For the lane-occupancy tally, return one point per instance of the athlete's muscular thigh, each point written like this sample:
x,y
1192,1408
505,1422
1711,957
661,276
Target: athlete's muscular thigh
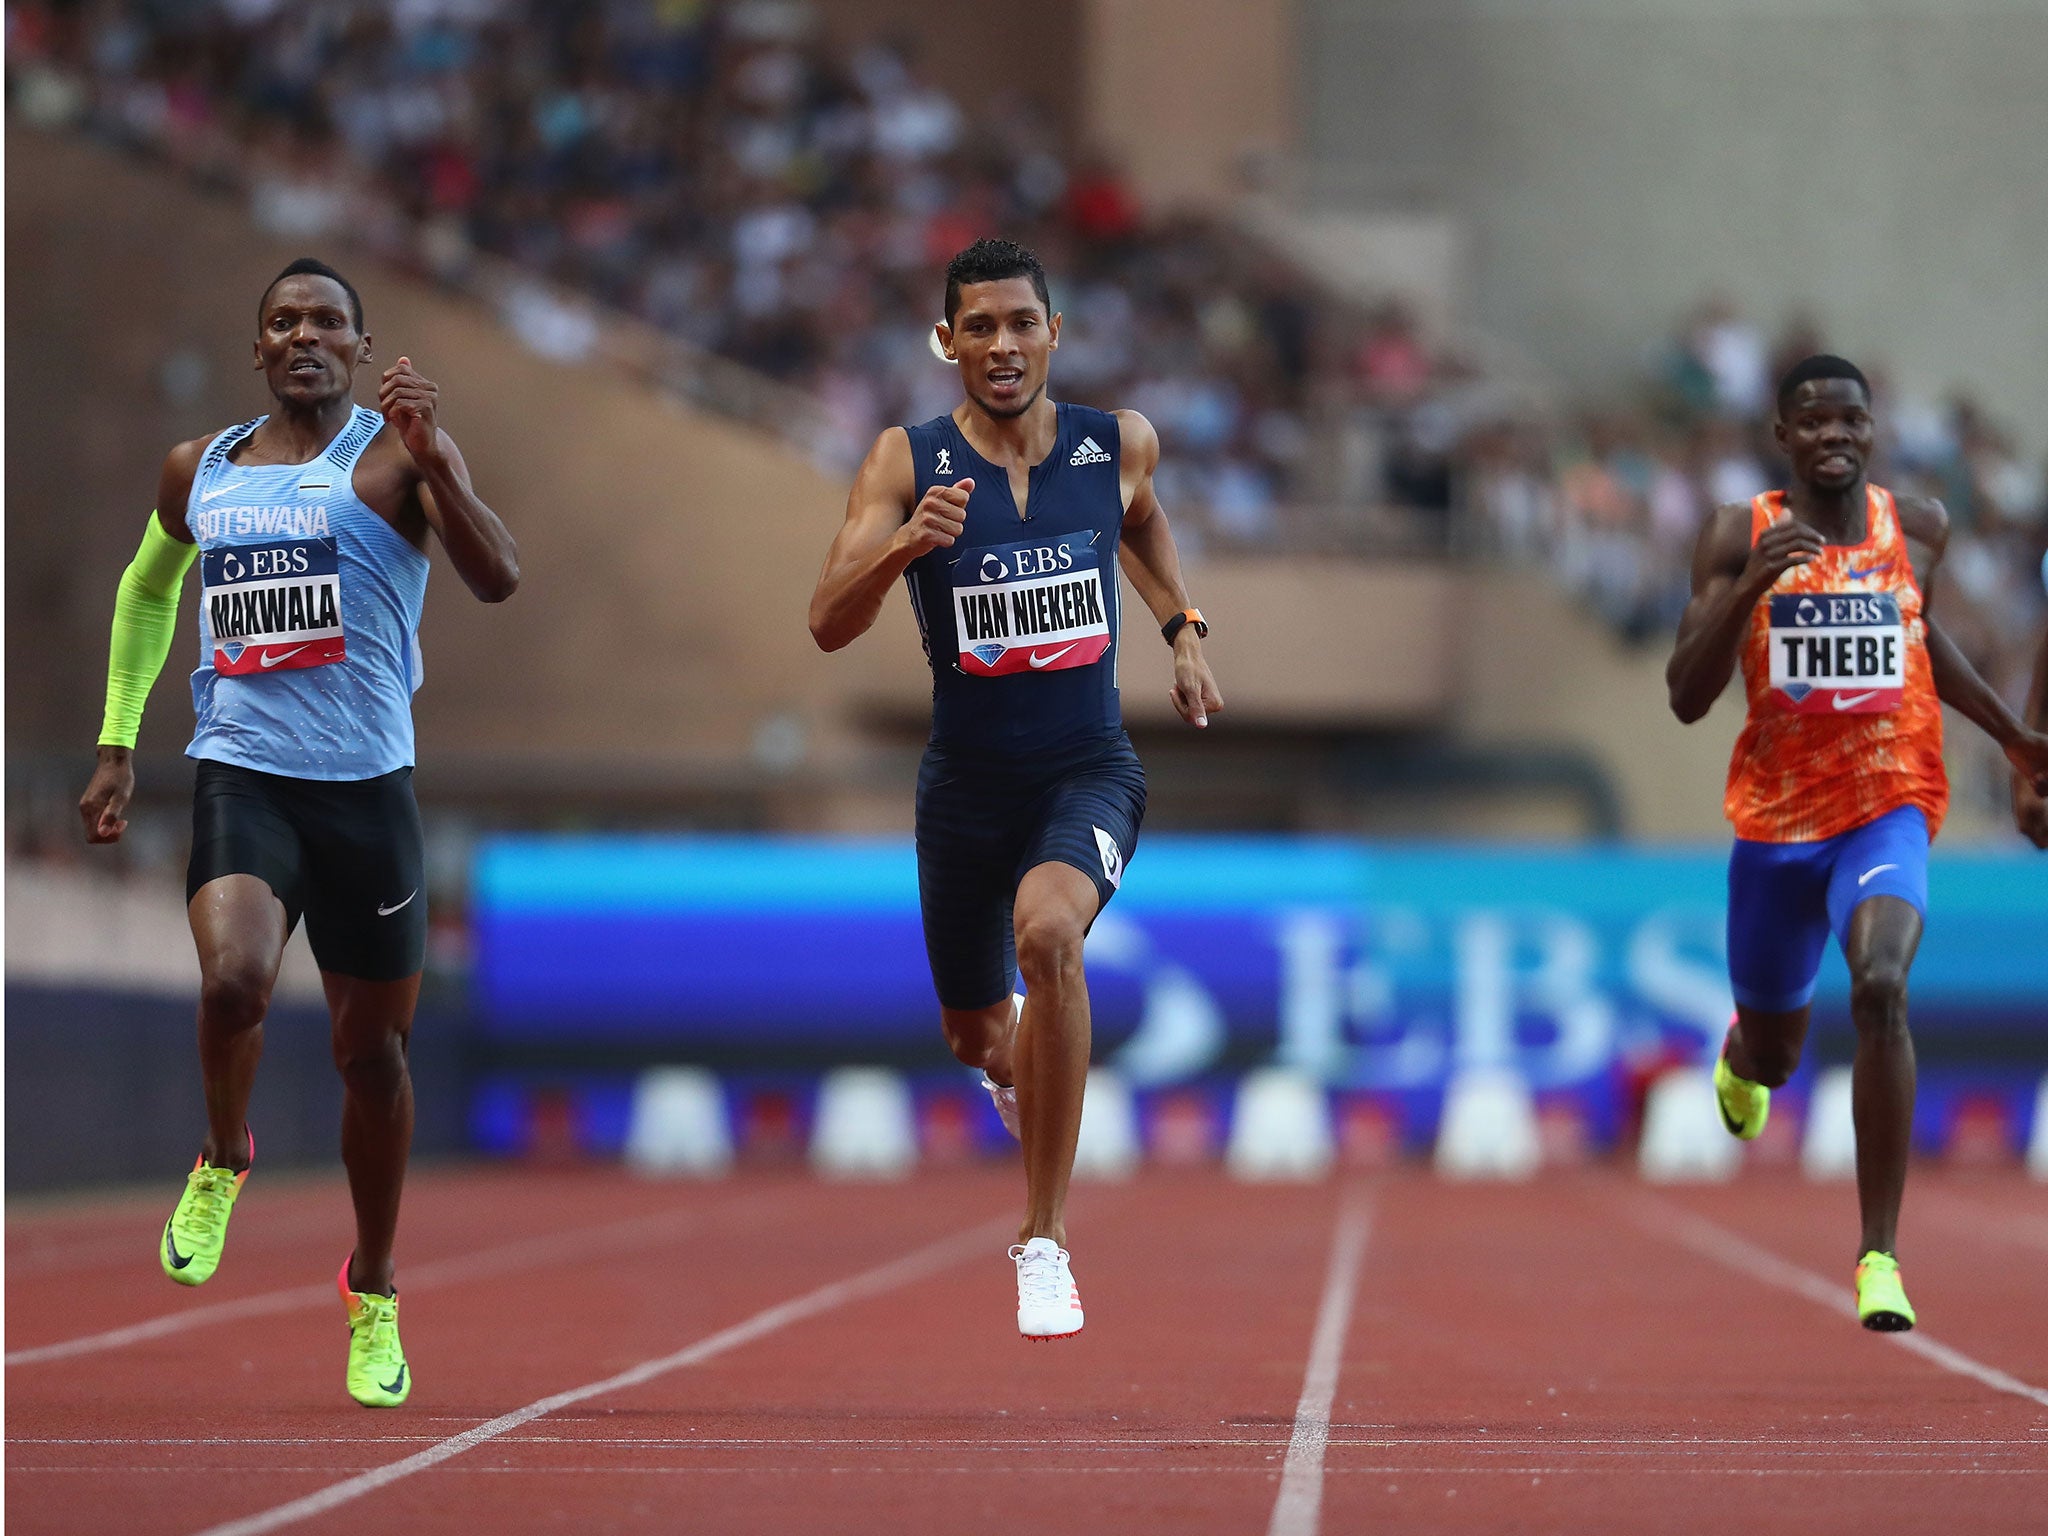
x,y
239,927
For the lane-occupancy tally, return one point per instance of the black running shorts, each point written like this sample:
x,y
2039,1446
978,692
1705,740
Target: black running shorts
x,y
982,825
347,855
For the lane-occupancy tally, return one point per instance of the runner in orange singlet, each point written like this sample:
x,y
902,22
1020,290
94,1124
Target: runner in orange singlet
x,y
1822,595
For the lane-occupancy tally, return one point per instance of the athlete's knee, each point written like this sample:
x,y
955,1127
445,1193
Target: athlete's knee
x,y
1049,949
973,1037
1775,1061
371,1065
234,993
1877,995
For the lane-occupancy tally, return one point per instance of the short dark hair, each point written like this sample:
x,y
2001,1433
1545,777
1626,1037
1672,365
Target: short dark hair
x,y
991,261
1822,365
313,266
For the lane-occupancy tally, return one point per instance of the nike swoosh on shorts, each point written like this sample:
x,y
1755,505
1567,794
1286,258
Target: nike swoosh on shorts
x,y
1869,874
386,912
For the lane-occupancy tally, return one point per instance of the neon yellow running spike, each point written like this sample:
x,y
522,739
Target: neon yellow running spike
x,y
1745,1106
378,1376
192,1239
1881,1302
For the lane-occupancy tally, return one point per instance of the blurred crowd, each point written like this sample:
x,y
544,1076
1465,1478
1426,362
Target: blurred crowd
x,y
1613,503
726,173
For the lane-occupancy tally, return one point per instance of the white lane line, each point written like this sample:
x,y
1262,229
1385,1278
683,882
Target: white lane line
x,y
1579,1445
928,1260
1299,1508
450,1271
1711,1240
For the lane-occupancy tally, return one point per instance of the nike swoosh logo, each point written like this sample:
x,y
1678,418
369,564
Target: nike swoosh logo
x,y
1851,700
1045,661
178,1260
1870,874
219,490
395,1385
1875,570
269,660
387,911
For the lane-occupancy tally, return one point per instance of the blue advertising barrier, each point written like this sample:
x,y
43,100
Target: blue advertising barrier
x,y
1378,967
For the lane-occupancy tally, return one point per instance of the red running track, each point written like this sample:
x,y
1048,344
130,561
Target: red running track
x,y
769,1353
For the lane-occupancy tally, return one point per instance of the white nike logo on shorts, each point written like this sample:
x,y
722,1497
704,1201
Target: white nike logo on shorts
x,y
1867,875
1045,661
387,911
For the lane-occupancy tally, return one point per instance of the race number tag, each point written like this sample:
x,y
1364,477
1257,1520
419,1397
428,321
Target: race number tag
x,y
1030,607
1841,653
273,607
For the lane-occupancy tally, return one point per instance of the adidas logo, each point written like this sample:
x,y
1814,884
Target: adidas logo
x,y
1090,452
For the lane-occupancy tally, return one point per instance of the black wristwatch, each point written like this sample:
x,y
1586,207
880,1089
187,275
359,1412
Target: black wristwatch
x,y
1173,626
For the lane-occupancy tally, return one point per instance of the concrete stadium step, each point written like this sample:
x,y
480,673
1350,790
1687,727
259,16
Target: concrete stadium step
x,y
1683,1138
1488,1129
1109,1146
865,1126
1829,1150
1280,1127
679,1124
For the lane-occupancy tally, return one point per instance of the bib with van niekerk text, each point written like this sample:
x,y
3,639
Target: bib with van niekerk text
x,y
1838,652
273,607
1034,607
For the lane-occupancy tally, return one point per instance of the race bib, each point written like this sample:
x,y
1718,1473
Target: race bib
x,y
1030,607
273,607
1838,653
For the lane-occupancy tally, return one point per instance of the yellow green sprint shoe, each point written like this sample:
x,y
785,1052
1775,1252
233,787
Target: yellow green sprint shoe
x,y
378,1376
198,1228
1881,1303
1745,1106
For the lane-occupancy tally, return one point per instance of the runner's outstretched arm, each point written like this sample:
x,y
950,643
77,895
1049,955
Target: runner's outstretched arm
x,y
1956,682
1152,561
479,545
1729,575
877,542
2030,805
145,619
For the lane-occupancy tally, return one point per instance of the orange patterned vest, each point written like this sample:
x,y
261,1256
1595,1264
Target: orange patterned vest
x,y
1844,724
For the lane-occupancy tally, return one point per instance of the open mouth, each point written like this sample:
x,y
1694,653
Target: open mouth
x,y
301,365
1005,378
1836,464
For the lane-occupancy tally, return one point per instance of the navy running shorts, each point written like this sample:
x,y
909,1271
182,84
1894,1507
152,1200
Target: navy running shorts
x,y
347,855
1785,898
982,824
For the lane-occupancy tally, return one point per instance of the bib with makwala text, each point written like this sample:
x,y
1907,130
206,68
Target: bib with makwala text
x,y
1031,607
1837,652
273,607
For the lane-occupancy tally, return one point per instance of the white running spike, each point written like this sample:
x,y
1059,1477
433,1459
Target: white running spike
x,y
2037,1139
679,1123
1829,1149
866,1126
1280,1127
1108,1147
1684,1140
1488,1130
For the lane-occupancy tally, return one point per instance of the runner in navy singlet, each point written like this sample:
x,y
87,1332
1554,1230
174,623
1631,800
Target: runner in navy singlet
x,y
1007,521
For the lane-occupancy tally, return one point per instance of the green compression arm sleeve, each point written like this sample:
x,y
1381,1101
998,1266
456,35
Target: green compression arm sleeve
x,y
145,618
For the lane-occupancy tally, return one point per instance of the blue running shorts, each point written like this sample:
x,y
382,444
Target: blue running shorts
x,y
983,824
1783,898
